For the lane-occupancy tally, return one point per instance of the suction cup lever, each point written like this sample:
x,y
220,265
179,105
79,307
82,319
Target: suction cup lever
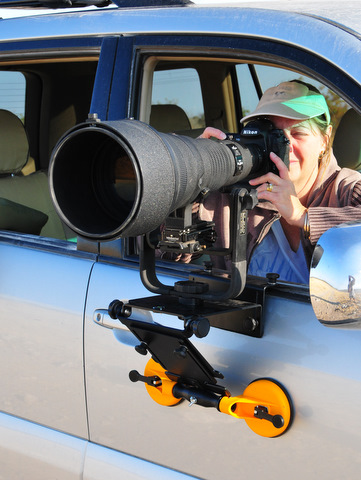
x,y
262,413
153,381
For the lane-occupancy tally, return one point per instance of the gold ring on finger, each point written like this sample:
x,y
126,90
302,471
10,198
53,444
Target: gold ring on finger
x,y
269,187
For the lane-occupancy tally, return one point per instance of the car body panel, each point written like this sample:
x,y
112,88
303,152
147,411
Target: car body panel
x,y
43,336
102,462
29,450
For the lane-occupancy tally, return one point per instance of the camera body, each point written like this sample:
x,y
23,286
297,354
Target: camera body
x,y
258,139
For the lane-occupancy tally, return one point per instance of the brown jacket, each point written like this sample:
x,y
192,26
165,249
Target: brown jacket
x,y
334,198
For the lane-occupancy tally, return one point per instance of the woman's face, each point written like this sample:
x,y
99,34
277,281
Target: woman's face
x,y
306,144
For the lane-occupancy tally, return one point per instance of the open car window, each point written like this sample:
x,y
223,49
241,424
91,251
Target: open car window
x,y
34,116
188,98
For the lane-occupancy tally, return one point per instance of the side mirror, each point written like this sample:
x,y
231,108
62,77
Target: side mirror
x,y
335,277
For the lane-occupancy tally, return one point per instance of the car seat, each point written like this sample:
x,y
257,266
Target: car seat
x,y
347,141
25,202
169,118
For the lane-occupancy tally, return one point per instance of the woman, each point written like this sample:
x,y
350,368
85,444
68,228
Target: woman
x,y
305,200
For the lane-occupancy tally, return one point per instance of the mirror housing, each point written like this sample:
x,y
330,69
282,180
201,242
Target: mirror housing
x,y
335,277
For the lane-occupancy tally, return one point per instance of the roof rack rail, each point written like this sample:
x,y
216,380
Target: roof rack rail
x,y
91,3
151,3
53,3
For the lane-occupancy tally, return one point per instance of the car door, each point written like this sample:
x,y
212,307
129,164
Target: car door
x,y
316,366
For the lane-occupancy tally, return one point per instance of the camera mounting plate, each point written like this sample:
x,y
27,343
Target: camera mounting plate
x,y
231,315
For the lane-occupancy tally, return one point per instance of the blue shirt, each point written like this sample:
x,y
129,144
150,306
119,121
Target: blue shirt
x,y
275,255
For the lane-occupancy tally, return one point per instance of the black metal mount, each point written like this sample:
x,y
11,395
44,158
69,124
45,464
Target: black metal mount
x,y
242,200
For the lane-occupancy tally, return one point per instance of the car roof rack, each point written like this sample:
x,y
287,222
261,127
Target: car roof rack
x,y
151,3
53,4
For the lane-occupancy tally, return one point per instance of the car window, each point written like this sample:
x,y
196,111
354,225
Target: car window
x,y
180,87
214,93
31,94
12,93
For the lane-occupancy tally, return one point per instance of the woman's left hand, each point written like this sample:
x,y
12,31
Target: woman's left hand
x,y
210,132
281,193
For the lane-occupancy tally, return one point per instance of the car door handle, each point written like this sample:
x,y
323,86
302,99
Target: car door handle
x,y
121,333
101,317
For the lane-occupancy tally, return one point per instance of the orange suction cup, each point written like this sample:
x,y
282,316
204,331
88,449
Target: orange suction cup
x,y
264,405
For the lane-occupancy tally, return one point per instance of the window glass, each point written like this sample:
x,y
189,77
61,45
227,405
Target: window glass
x,y
272,76
181,87
12,93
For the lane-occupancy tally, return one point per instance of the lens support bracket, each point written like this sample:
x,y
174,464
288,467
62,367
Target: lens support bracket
x,y
242,200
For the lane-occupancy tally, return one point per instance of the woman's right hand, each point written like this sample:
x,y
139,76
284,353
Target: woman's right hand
x,y
282,193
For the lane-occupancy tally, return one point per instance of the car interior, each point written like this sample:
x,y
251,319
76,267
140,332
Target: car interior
x,y
57,96
180,95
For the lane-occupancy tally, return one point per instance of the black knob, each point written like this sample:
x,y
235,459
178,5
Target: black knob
x,y
272,278
115,309
200,326
278,421
142,348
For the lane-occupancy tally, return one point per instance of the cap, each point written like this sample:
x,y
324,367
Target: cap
x,y
291,100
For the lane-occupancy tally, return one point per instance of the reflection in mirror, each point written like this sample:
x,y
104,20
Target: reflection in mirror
x,y
335,277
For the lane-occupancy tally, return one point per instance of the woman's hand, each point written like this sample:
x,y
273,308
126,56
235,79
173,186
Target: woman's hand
x,y
210,132
281,193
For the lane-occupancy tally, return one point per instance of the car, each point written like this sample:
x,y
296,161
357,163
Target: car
x,y
117,362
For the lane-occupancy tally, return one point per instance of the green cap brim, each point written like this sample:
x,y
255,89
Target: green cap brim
x,y
310,105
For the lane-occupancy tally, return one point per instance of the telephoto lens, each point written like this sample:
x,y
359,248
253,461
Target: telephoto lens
x,y
123,178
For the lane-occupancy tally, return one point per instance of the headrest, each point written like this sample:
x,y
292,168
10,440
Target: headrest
x,y
14,145
169,118
347,142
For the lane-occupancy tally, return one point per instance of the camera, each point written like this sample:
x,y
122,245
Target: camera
x,y
118,179
261,138
123,178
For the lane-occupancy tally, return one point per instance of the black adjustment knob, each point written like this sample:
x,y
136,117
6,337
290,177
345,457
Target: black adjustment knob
x,y
117,310
190,287
142,348
272,278
200,326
